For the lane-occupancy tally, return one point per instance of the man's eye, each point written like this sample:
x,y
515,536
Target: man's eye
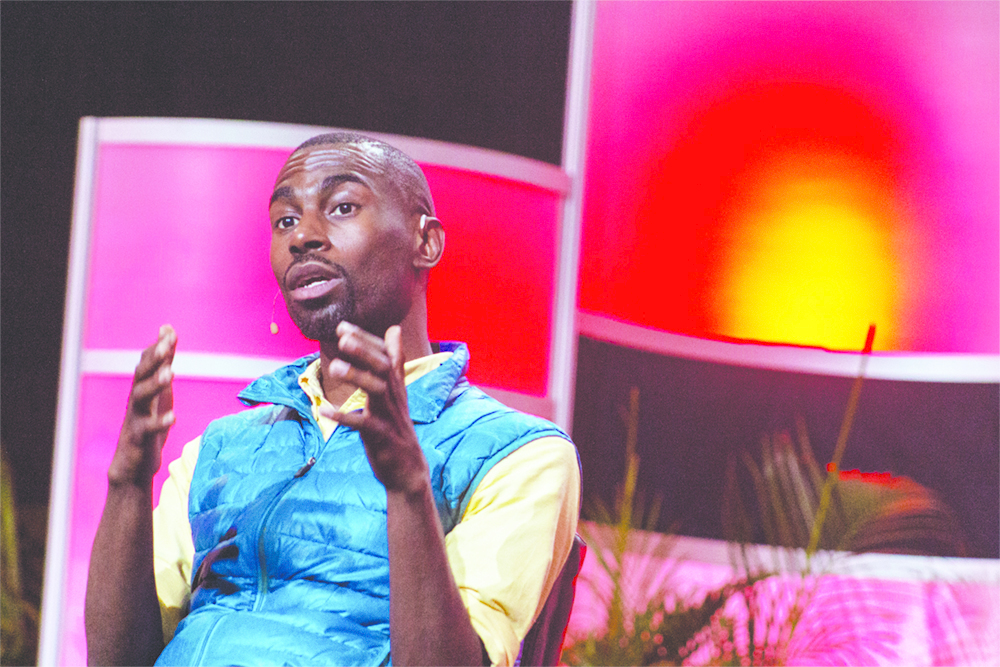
x,y
284,223
344,209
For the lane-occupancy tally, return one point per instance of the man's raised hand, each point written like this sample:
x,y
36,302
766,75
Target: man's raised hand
x,y
376,366
149,414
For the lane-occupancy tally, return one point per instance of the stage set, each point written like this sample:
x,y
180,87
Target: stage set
x,y
745,187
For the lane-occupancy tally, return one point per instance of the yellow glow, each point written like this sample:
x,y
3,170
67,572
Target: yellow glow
x,y
810,258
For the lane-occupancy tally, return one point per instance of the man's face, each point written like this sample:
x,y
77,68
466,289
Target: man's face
x,y
341,244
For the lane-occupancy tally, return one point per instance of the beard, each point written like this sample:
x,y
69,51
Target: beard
x,y
320,321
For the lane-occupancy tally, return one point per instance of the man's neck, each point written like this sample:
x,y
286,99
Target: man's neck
x,y
415,343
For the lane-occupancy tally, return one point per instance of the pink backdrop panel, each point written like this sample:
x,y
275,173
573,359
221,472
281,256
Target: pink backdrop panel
x,y
181,235
696,107
907,618
102,407
494,287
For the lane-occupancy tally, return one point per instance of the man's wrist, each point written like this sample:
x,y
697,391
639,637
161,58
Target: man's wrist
x,y
123,475
415,490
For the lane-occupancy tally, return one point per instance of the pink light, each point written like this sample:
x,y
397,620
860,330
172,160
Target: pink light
x,y
925,73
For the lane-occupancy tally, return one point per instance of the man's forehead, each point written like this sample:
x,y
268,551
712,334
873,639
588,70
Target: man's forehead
x,y
366,160
362,163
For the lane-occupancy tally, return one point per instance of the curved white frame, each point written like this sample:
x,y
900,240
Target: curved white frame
x,y
906,366
562,357
63,457
258,134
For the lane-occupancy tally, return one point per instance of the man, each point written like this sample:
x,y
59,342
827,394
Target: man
x,y
365,506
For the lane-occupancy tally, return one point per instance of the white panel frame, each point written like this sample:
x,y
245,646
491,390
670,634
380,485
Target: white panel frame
x,y
882,566
256,134
913,367
64,449
562,357
203,365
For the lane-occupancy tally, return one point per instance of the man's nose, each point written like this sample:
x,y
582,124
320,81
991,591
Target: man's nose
x,y
310,234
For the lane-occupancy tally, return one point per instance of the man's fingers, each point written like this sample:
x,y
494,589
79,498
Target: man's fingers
x,y
362,349
141,428
149,414
376,366
162,351
394,347
373,431
354,420
165,400
145,390
348,329
371,383
162,422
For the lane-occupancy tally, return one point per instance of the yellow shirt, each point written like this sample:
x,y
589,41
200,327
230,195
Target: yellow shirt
x,y
505,554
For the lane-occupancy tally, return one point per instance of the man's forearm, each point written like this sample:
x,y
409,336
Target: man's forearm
x,y
428,624
122,612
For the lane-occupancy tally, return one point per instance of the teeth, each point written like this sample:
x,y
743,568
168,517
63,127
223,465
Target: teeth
x,y
313,281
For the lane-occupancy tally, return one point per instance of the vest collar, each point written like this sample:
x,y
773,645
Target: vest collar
x,y
281,387
426,396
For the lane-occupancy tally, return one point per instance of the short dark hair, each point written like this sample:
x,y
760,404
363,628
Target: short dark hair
x,y
399,168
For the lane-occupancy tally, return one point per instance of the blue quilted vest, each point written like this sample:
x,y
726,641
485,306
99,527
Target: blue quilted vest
x,y
291,558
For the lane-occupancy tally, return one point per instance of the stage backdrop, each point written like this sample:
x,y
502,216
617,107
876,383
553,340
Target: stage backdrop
x,y
171,226
791,172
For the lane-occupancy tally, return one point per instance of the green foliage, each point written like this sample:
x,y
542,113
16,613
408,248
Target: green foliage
x,y
785,499
791,504
659,628
660,634
777,501
18,617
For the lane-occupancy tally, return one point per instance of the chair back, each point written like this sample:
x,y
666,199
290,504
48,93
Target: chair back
x,y
543,644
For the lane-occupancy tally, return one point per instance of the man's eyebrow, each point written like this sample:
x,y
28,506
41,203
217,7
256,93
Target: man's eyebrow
x,y
331,182
284,192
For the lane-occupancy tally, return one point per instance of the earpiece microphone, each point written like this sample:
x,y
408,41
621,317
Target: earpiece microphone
x,y
423,223
274,325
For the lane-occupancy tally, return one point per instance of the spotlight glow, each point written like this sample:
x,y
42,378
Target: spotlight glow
x,y
809,256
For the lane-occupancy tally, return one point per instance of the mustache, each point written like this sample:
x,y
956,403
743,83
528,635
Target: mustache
x,y
316,258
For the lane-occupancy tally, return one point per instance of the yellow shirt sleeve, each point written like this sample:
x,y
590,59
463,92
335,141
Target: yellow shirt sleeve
x,y
513,541
173,546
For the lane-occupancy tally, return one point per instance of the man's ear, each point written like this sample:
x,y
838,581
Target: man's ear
x,y
430,241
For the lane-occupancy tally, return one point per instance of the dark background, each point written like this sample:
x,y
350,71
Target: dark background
x,y
693,415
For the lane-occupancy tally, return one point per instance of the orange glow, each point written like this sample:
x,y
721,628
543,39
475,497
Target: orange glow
x,y
808,256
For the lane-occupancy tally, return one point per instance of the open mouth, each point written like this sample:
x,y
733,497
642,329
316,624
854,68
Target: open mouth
x,y
311,280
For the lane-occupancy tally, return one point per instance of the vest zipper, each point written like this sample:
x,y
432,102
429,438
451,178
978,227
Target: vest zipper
x,y
262,576
306,468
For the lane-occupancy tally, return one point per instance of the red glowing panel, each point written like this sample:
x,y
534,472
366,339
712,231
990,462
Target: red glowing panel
x,y
791,172
494,286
